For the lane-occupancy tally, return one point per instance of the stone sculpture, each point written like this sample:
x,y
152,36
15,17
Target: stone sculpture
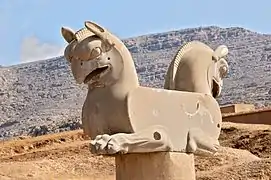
x,y
193,65
122,117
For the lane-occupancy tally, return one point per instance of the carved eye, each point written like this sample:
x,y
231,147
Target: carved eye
x,y
96,52
223,71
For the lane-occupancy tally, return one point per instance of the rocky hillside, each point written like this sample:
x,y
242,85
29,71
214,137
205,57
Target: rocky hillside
x,y
41,97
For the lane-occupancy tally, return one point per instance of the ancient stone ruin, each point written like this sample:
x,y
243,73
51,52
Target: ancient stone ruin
x,y
153,133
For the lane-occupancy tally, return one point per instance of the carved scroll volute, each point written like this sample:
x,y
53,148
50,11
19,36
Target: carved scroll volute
x,y
101,33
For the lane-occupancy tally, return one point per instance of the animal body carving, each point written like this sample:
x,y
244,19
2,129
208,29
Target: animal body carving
x,y
194,64
122,117
101,61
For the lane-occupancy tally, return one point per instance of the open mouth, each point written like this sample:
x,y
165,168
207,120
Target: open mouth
x,y
215,90
95,73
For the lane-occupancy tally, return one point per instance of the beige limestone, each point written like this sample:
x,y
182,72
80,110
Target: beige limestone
x,y
198,68
101,61
259,116
122,117
235,108
155,166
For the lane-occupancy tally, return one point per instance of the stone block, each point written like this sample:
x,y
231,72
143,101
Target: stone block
x,y
235,108
155,166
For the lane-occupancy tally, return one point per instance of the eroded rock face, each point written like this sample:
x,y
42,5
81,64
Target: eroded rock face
x,y
45,93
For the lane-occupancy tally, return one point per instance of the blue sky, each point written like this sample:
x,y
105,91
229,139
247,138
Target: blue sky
x,y
31,28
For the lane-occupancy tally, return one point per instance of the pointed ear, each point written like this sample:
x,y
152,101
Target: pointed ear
x,y
67,34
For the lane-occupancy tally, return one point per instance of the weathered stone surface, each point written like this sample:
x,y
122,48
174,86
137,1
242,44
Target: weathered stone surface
x,y
261,116
44,94
158,166
235,108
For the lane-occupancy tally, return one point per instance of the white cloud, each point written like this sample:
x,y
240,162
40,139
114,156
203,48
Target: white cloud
x,y
32,50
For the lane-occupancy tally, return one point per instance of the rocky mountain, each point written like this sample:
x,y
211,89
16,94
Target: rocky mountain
x,y
42,97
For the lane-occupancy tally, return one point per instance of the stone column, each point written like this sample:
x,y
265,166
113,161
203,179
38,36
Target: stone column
x,y
155,166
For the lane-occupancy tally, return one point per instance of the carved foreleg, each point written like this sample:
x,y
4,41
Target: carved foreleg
x,y
200,143
153,139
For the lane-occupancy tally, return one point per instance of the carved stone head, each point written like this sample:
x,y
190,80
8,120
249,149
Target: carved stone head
x,y
220,70
196,67
92,55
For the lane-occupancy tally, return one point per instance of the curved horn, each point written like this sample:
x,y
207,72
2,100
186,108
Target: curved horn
x,y
101,33
96,29
68,34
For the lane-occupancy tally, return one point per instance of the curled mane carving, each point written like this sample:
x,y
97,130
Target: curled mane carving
x,y
177,58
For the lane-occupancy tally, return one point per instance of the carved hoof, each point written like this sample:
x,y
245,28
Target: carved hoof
x,y
215,148
199,143
117,145
98,145
106,144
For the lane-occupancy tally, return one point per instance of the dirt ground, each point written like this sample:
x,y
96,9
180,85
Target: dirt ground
x,y
245,155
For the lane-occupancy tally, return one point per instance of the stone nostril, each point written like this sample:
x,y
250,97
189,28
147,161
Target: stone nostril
x,y
108,58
